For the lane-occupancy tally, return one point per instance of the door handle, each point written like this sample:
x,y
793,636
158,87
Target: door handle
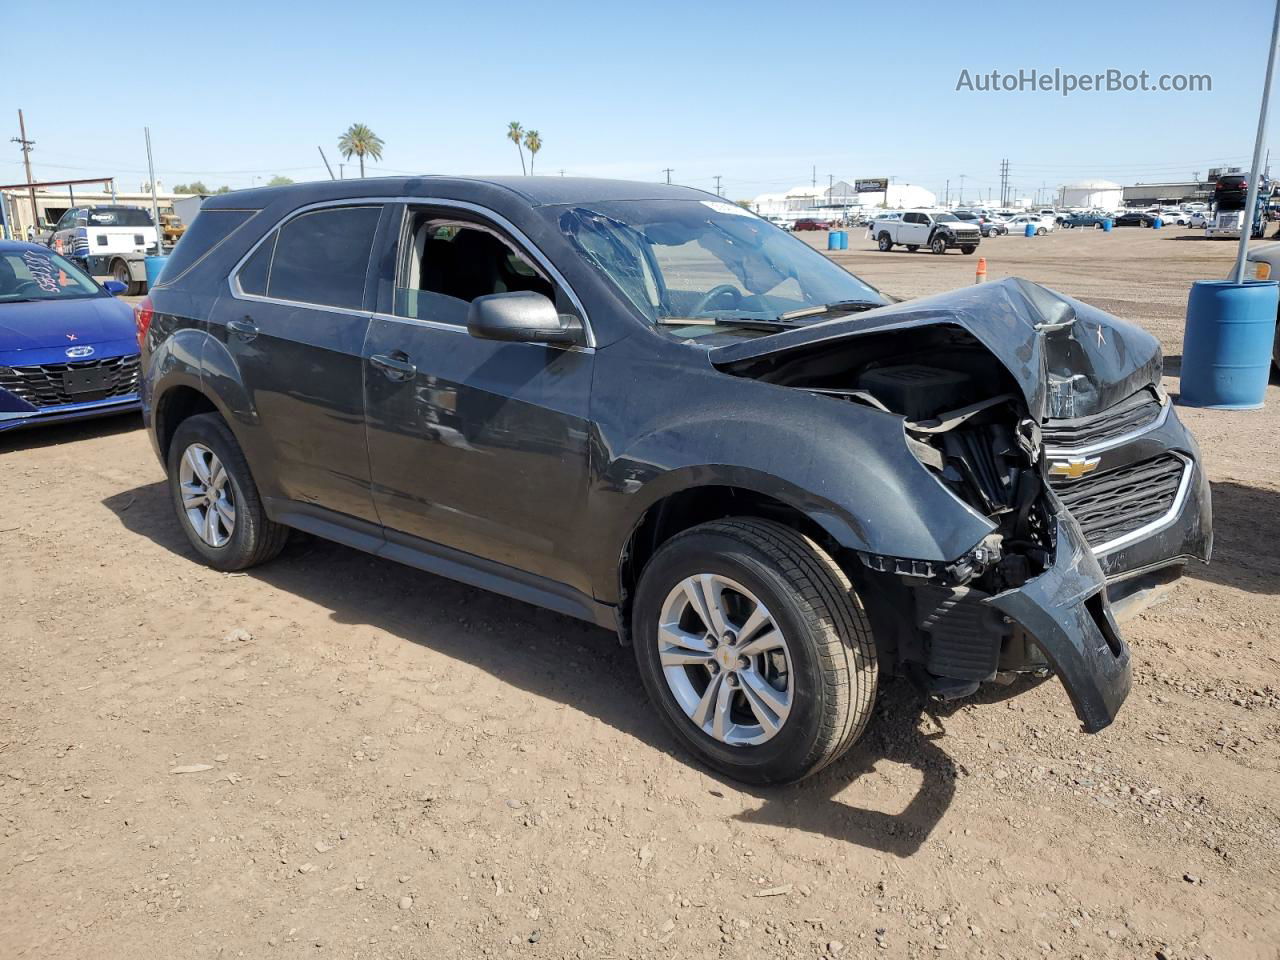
x,y
395,366
245,329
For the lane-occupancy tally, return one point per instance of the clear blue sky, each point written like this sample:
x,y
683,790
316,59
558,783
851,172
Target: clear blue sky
x,y
757,92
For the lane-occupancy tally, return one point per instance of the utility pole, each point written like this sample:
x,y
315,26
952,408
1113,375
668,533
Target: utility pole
x,y
25,145
961,201
155,205
717,178
667,171
326,161
342,170
815,176
947,201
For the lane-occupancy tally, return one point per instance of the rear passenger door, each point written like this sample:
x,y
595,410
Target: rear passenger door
x,y
914,231
294,328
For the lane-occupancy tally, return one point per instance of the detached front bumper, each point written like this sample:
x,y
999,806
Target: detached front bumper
x,y
1065,611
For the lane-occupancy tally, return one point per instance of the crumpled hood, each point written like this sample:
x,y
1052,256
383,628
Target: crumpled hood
x,y
46,323
1068,358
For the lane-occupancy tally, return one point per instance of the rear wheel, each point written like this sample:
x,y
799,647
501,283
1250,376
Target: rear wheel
x,y
1041,231
216,499
938,245
755,648
121,274
884,243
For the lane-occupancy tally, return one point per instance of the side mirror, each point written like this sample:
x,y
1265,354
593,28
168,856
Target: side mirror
x,y
522,316
114,287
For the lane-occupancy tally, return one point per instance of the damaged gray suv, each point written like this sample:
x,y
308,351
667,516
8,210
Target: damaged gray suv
x,y
648,408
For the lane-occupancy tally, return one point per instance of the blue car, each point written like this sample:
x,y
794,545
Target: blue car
x,y
68,347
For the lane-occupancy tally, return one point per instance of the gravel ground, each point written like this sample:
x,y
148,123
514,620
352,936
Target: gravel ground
x,y
336,756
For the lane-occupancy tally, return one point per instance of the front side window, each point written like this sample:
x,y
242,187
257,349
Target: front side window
x,y
322,257
705,261
446,262
42,275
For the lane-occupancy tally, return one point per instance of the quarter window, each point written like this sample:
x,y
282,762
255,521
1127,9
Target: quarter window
x,y
253,275
322,257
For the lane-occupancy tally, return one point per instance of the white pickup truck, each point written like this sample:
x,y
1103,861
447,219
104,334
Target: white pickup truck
x,y
938,230
108,240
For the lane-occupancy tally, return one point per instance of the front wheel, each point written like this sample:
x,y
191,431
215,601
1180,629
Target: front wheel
x,y
216,499
938,245
755,648
884,243
968,248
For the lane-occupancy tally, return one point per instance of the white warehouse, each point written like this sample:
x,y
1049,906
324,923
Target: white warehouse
x,y
1091,194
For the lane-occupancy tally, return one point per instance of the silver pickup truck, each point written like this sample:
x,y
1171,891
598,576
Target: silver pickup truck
x,y
937,230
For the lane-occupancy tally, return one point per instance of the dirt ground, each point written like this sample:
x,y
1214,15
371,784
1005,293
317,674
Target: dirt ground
x,y
336,756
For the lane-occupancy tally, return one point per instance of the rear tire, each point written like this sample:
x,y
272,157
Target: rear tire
x,y
252,538
121,274
811,613
1041,231
884,243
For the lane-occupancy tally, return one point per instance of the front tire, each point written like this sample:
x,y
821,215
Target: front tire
x,y
884,243
756,649
968,248
938,245
216,499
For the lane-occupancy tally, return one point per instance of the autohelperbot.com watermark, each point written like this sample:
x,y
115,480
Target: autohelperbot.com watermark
x,y
1065,82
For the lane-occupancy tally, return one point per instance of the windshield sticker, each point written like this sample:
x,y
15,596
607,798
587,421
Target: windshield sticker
x,y
719,206
42,271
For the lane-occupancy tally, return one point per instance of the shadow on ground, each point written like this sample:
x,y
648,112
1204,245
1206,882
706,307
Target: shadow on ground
x,y
52,434
1246,525
542,652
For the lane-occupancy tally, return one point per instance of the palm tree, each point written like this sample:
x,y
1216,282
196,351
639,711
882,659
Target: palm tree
x,y
515,133
362,142
534,143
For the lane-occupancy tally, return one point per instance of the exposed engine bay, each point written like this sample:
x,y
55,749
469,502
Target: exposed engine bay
x,y
966,420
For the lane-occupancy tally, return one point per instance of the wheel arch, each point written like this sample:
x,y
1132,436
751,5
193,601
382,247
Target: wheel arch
x,y
689,506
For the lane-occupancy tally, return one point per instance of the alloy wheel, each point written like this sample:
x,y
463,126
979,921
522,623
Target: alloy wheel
x,y
207,497
725,660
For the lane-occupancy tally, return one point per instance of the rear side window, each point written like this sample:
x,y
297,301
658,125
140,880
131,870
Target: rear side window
x,y
322,257
209,229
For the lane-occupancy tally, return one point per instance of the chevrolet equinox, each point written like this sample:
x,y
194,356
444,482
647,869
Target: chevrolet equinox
x,y
651,409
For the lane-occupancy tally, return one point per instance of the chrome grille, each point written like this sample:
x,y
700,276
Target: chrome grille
x,y
1138,411
44,385
1109,505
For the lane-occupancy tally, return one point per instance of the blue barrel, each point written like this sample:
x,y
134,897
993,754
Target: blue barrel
x,y
1030,231
833,240
1157,223
844,240
1226,347
154,266
1107,225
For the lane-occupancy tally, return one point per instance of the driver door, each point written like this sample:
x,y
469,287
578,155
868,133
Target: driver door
x,y
477,445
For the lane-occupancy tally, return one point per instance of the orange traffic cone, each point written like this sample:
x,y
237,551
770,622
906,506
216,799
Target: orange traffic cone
x,y
981,275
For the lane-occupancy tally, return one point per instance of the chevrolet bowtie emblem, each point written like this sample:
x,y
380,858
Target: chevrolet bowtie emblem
x,y
1074,468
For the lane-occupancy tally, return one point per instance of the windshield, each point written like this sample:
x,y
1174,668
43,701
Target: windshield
x,y
119,217
705,260
944,218
41,275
